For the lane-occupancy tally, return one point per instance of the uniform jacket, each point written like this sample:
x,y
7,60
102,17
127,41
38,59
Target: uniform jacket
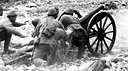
x,y
70,21
42,37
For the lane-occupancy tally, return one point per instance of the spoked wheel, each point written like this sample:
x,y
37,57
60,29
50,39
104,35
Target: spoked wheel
x,y
101,33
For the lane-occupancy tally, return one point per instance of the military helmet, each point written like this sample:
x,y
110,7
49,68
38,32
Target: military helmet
x,y
57,9
52,11
69,11
12,13
35,22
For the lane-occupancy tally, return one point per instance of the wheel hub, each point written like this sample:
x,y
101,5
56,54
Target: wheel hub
x,y
101,34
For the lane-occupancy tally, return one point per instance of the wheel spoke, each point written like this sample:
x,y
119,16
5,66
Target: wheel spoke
x,y
106,44
105,21
97,26
93,35
101,23
97,46
108,25
94,42
101,47
109,32
94,29
109,38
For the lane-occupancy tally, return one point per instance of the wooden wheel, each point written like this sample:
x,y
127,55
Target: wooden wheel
x,y
101,33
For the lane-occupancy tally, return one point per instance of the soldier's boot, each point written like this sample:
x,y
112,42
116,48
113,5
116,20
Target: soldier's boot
x,y
39,62
81,50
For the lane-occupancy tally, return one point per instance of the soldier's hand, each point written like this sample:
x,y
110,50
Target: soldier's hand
x,y
69,31
26,22
24,36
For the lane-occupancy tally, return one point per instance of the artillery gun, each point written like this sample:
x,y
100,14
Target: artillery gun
x,y
101,31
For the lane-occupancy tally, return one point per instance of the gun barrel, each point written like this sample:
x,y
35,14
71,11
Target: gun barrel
x,y
84,20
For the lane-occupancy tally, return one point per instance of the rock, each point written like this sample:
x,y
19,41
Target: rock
x,y
97,66
115,51
125,55
22,68
107,58
112,69
112,5
106,69
118,69
113,64
121,65
32,67
3,69
116,60
2,64
84,66
9,68
30,4
73,68
108,65
124,3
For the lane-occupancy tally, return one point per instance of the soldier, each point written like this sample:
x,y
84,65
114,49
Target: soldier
x,y
49,31
36,22
8,26
75,31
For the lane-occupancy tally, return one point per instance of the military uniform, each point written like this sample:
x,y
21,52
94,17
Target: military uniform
x,y
77,37
7,28
45,48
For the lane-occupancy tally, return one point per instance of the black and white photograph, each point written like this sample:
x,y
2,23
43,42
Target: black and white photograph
x,y
63,35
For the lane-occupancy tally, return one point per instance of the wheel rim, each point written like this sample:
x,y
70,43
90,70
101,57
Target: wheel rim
x,y
101,33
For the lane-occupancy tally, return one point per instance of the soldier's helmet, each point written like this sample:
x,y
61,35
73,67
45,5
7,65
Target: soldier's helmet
x,y
35,22
52,11
12,13
57,9
69,11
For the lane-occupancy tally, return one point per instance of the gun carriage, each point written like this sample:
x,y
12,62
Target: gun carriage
x,y
101,31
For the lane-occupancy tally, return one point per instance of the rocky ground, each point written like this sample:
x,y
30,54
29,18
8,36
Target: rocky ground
x,y
116,60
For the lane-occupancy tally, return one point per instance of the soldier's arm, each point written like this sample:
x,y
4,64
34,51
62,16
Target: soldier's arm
x,y
61,25
18,24
77,13
61,15
14,30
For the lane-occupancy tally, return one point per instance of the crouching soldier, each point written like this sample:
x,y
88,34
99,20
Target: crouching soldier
x,y
74,30
48,32
8,26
